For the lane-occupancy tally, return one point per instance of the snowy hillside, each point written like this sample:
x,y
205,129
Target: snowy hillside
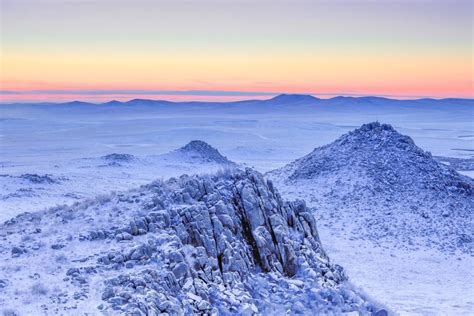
x,y
391,189
197,244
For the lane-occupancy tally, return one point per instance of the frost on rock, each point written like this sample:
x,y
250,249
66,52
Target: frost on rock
x,y
386,186
221,244
199,150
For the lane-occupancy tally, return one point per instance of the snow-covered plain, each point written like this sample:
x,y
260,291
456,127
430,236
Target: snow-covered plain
x,y
57,153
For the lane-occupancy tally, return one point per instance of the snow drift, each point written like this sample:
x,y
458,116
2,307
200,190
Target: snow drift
x,y
387,187
225,243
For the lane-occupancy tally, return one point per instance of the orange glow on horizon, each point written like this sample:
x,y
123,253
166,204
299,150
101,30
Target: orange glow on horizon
x,y
434,76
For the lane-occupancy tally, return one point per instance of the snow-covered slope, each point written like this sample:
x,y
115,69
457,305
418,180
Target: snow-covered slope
x,y
224,243
387,188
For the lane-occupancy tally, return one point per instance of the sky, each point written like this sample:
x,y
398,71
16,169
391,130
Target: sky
x,y
98,50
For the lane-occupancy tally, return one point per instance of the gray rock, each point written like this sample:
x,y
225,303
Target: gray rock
x,y
17,251
123,236
180,270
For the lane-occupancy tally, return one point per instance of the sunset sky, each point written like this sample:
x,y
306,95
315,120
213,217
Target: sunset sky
x,y
56,50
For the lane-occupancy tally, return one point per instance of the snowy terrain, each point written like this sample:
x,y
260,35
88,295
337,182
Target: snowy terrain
x,y
54,154
88,177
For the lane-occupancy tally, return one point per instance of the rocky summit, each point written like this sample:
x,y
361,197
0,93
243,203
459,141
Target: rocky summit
x,y
387,188
221,244
202,151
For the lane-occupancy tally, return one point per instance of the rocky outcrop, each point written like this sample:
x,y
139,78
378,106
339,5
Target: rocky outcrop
x,y
226,233
222,244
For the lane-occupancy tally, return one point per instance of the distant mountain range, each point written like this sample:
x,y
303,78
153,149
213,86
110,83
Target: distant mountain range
x,y
282,99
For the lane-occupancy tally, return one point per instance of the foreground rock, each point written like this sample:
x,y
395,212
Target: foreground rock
x,y
378,184
223,244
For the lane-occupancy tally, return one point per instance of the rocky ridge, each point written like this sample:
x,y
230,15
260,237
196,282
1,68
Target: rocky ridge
x,y
221,244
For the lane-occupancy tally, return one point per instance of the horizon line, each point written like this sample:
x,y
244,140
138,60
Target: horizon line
x,y
121,93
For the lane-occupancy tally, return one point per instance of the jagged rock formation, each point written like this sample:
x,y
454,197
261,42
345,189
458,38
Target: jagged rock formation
x,y
391,189
222,244
200,151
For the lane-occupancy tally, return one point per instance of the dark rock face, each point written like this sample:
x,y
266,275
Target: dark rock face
x,y
377,171
224,244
